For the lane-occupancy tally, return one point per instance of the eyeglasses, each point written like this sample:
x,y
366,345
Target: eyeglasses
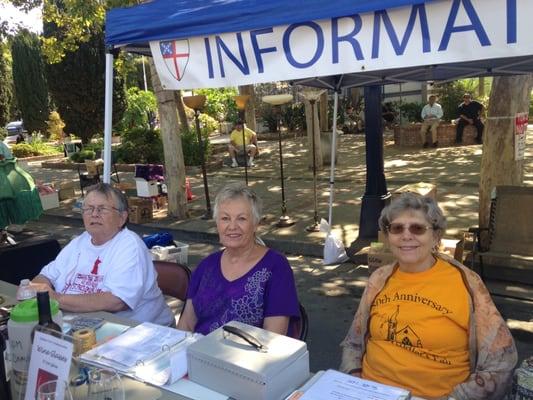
x,y
100,210
415,229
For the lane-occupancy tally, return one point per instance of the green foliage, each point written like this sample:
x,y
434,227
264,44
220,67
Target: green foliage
x,y
207,124
140,146
55,126
293,116
22,150
78,88
81,156
3,133
138,104
450,96
5,89
410,111
191,149
29,81
36,148
269,117
219,104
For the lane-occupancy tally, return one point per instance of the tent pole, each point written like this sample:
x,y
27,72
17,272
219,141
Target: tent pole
x,y
333,156
108,113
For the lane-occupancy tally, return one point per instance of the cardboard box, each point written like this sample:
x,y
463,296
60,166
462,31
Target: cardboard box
x,y
425,189
49,200
94,167
141,210
146,188
378,256
453,247
66,189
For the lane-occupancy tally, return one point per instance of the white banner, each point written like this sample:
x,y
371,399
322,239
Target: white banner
x,y
437,32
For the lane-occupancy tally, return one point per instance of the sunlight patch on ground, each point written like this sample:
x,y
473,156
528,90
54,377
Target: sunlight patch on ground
x,y
395,163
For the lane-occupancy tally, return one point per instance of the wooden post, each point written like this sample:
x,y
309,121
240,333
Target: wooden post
x,y
318,148
249,111
173,152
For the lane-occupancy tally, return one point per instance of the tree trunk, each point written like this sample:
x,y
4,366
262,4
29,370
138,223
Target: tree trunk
x,y
184,123
249,111
173,152
324,126
318,146
509,95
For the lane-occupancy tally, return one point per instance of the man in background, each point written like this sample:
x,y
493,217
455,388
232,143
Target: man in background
x,y
469,112
236,144
431,115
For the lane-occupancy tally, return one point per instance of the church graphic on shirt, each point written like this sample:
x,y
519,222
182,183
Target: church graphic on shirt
x,y
405,336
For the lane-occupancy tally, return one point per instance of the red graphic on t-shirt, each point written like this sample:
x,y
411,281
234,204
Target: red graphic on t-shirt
x,y
94,271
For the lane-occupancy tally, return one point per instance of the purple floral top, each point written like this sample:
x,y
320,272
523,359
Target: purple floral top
x,y
267,290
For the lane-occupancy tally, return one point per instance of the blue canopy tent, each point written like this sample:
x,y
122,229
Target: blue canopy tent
x,y
220,21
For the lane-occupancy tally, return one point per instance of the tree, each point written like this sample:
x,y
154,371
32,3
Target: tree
x,y
29,81
5,89
78,88
509,95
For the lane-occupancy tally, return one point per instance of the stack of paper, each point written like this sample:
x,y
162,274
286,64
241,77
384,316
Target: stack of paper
x,y
334,385
135,347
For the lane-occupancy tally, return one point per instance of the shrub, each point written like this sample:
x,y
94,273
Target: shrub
x,y
293,117
220,104
207,124
140,146
22,150
36,148
269,117
3,133
139,104
410,112
55,126
189,143
81,156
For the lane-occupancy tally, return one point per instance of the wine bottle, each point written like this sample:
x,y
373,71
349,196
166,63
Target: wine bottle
x,y
45,314
5,390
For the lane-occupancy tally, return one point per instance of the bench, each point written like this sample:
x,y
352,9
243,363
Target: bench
x,y
409,135
508,255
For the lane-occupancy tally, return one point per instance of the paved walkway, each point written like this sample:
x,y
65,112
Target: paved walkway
x,y
329,293
455,171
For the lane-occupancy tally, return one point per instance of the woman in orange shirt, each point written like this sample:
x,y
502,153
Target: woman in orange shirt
x,y
427,323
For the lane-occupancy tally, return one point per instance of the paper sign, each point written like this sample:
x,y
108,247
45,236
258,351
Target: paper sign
x,y
334,385
521,121
50,360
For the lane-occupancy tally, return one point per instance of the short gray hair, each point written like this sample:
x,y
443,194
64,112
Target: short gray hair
x,y
414,202
111,193
238,190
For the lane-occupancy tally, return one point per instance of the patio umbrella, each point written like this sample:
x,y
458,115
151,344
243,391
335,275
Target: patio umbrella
x,y
19,198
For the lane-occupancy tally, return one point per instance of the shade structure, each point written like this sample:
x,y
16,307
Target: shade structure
x,y
19,198
214,43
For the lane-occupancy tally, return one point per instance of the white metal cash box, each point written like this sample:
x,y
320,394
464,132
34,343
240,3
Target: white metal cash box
x,y
248,363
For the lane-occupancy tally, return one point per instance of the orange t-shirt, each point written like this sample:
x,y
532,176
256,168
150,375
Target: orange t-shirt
x,y
419,332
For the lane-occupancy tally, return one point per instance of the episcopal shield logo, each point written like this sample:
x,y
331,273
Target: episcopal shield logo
x,y
176,56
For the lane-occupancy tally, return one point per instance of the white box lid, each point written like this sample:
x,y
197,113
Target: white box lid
x,y
230,351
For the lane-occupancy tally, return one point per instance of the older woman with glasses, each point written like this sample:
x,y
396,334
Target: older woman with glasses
x,y
427,323
108,267
245,281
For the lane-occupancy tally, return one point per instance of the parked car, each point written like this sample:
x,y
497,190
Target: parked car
x,y
15,133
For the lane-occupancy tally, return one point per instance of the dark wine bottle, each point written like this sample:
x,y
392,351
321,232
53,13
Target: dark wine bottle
x,y
45,314
5,390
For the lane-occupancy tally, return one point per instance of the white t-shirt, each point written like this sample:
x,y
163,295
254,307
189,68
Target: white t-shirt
x,y
122,266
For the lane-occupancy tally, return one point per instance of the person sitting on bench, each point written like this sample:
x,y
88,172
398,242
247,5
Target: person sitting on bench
x,y
236,144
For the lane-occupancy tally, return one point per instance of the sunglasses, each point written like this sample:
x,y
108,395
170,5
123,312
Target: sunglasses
x,y
415,229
